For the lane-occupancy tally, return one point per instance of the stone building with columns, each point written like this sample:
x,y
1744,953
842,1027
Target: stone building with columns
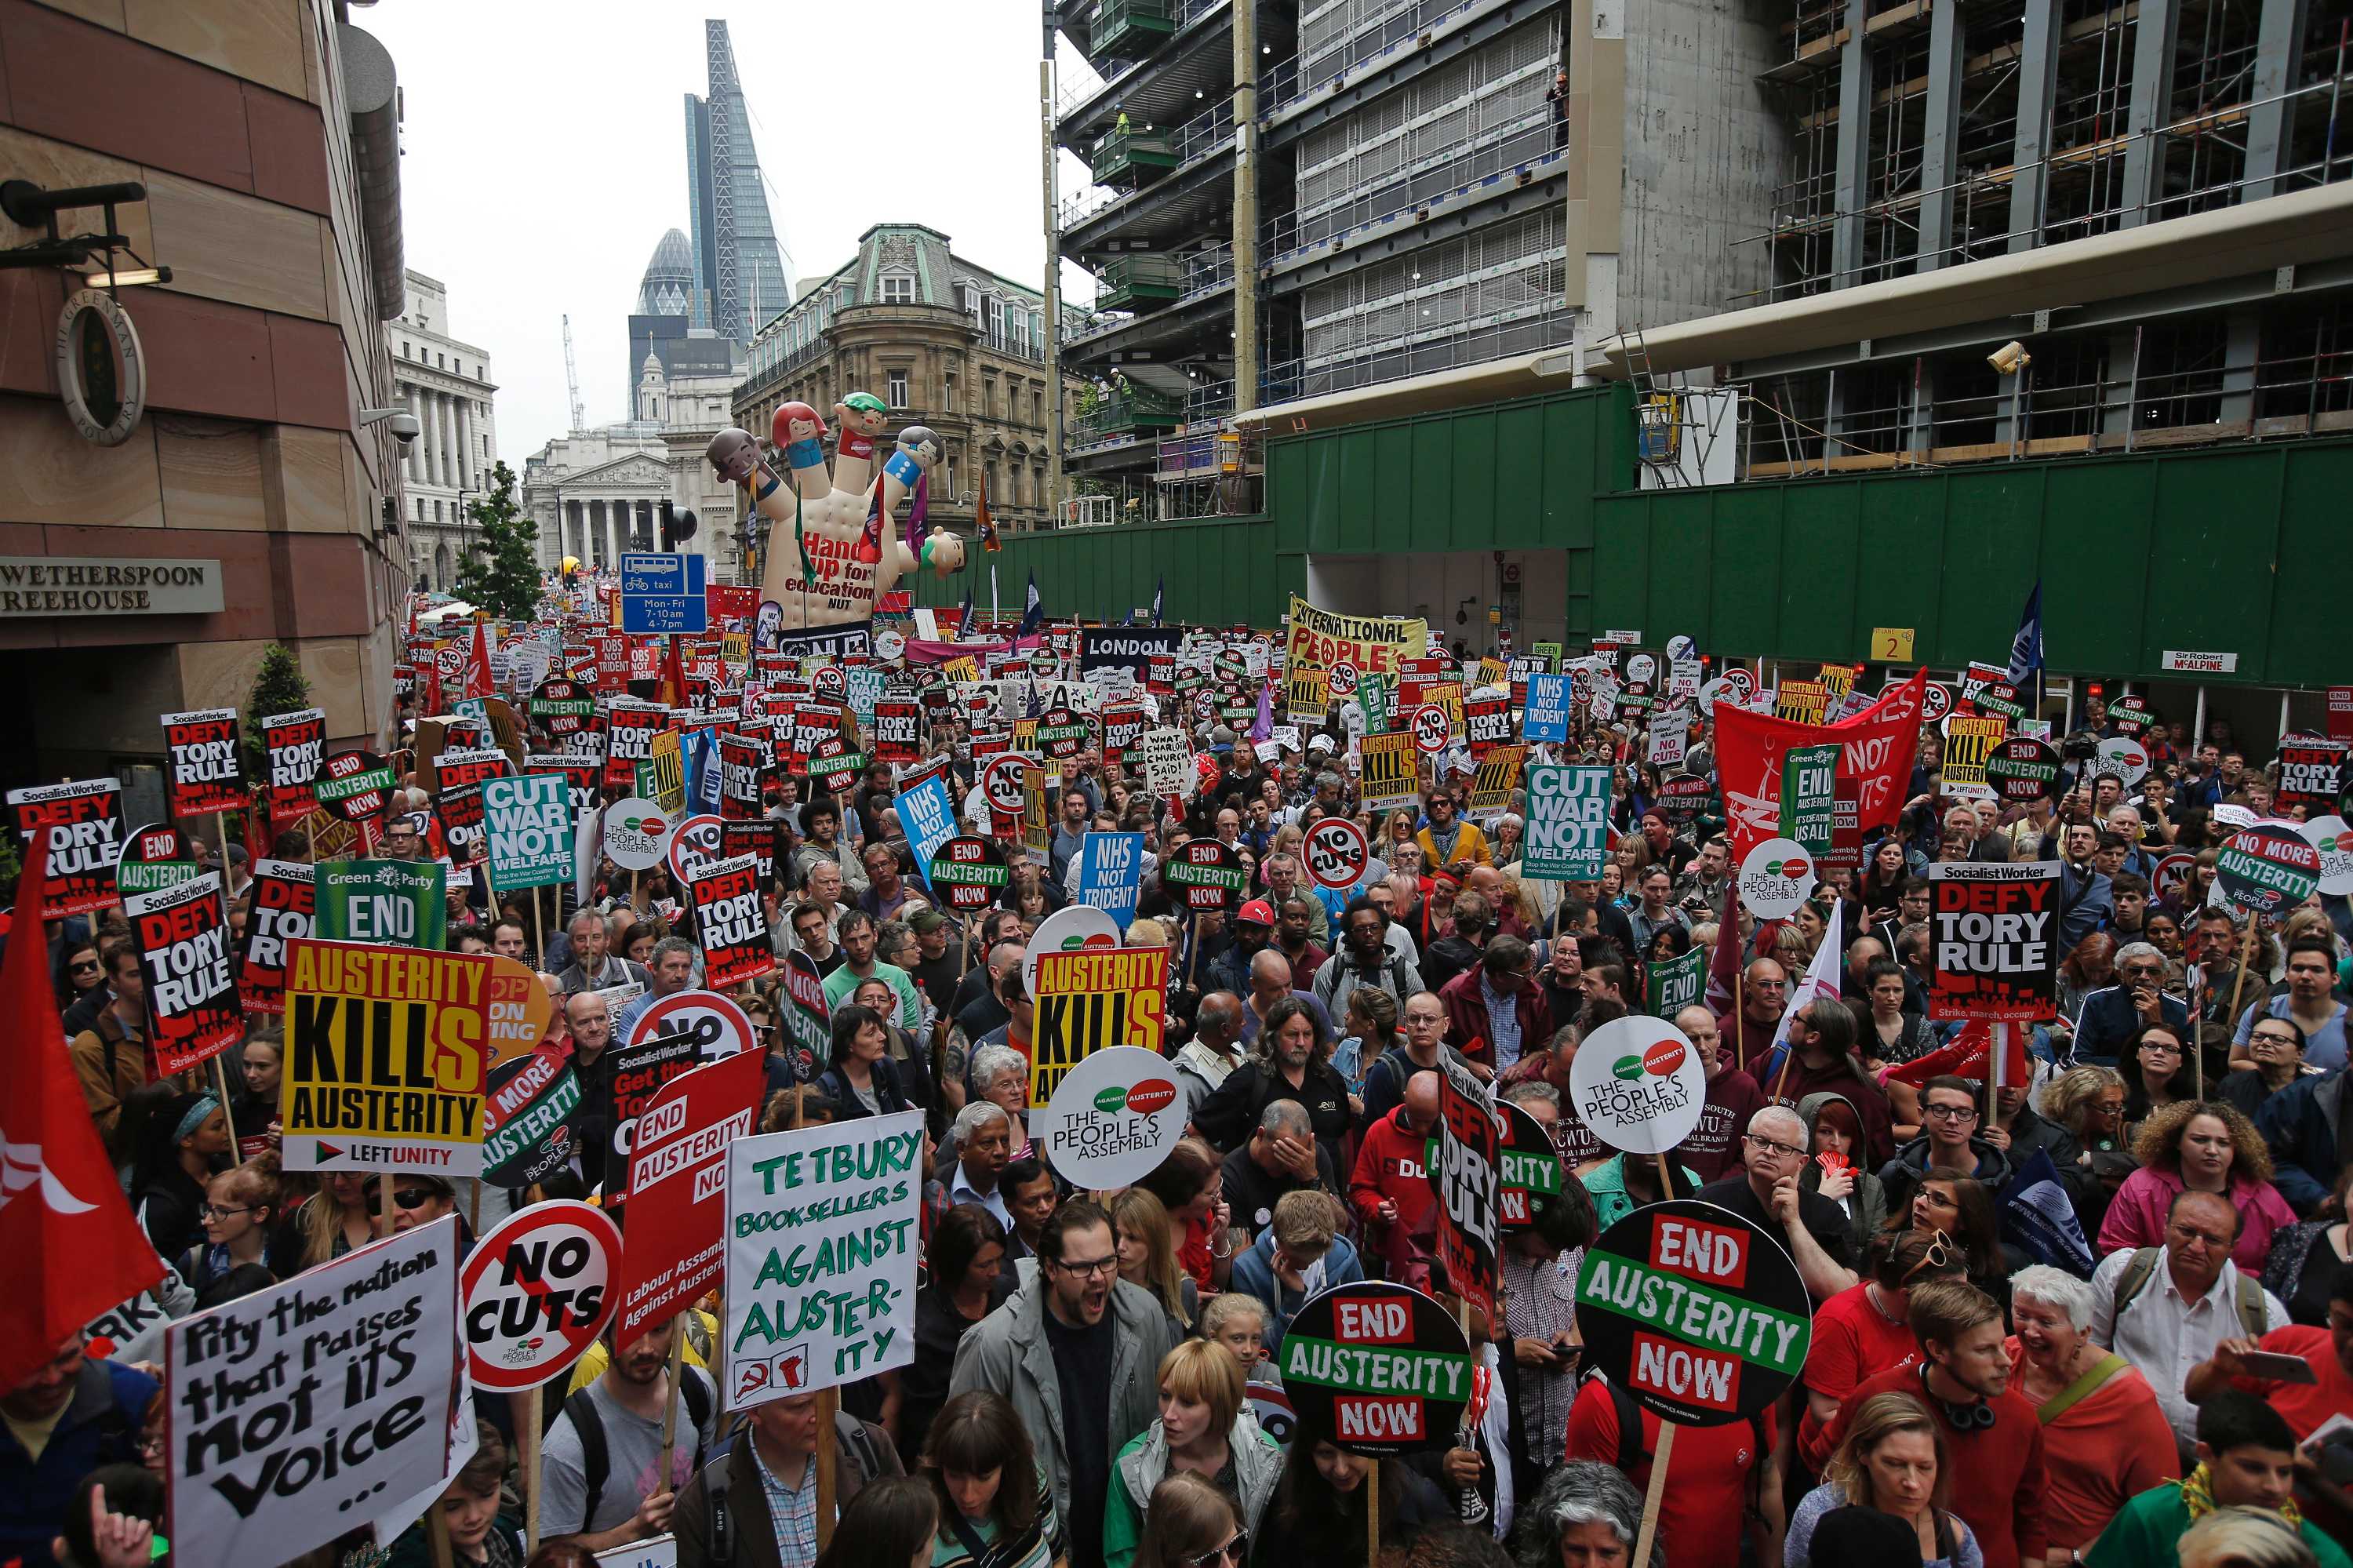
x,y
942,340
447,385
597,493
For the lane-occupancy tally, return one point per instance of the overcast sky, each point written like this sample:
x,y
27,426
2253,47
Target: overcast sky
x,y
545,154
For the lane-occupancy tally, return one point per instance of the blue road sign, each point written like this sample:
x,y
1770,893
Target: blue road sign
x,y
662,594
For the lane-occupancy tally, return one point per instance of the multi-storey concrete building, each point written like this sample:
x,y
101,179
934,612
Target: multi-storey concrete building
x,y
447,385
944,343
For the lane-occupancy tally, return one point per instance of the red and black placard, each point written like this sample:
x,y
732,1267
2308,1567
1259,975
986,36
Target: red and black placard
x,y
295,744
88,815
1209,872
731,921
201,755
284,898
184,957
742,761
898,731
1994,940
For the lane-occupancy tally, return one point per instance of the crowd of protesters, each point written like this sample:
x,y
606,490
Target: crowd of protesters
x,y
1094,1378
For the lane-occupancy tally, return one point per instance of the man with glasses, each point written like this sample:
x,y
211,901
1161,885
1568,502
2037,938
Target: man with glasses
x,y
1449,842
1077,1351
2167,1308
2311,971
1768,1194
2112,1014
404,837
1950,1145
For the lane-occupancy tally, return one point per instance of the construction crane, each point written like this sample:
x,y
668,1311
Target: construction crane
x,y
571,378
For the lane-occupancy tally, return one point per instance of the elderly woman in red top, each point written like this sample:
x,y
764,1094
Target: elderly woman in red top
x,y
2209,1146
2105,1438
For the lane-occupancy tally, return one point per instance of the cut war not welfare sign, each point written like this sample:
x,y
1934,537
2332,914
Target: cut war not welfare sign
x,y
384,1058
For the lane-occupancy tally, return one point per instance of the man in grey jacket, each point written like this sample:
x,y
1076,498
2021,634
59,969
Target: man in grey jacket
x,y
1077,1350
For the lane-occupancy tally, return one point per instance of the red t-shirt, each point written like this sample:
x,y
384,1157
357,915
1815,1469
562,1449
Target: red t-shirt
x,y
1706,1494
1997,1476
1853,1340
2305,1405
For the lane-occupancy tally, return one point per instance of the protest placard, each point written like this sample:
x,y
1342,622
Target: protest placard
x,y
354,786
2267,869
822,1235
1637,1085
1670,985
1969,741
299,1410
1498,774
2311,772
157,856
1546,714
2022,768
1111,1121
674,1036
394,903
1111,873
1993,940
1809,796
1090,1000
1167,759
384,1058
1379,1369
1774,878
88,815
528,828
730,921
293,745
1697,1314
1335,853
968,872
677,1188
2332,839
741,759
1389,778
459,810
282,900
1466,1175
1209,872
536,1291
637,832
200,757
563,706
1568,822
183,958
527,1115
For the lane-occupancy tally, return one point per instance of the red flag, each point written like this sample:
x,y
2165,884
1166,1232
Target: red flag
x,y
478,664
672,692
1876,750
72,1246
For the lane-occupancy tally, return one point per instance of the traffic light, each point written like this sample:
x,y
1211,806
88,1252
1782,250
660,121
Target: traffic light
x,y
678,525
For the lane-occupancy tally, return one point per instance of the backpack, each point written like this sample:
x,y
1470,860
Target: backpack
x,y
2249,1301
855,1439
597,1458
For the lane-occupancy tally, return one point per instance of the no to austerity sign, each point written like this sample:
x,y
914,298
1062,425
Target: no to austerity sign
x,y
537,1290
1378,1369
2265,870
678,1187
385,1053
1697,1314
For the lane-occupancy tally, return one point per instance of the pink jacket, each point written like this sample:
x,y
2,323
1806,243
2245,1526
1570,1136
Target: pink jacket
x,y
2136,1217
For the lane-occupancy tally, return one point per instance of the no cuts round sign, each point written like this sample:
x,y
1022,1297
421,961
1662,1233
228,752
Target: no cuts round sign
x,y
1336,854
1431,729
537,1290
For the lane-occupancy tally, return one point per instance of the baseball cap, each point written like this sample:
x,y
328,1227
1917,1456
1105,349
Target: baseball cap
x,y
927,921
1256,912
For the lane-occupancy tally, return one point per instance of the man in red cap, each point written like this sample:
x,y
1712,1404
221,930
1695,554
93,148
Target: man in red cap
x,y
1253,926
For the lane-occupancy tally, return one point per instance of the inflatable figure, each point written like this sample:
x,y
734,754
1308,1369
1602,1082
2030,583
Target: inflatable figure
x,y
830,554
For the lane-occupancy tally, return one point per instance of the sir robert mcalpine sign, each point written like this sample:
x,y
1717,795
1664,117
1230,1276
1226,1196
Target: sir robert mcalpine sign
x,y
97,585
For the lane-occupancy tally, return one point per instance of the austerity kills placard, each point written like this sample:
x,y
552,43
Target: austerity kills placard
x,y
385,1053
822,1236
1089,999
1568,822
200,753
184,957
731,921
280,910
1697,1314
1391,776
527,822
678,1191
295,745
1994,940
1378,1369
301,1411
88,814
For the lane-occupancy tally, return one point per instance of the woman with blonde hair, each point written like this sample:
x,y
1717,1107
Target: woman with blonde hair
x,y
336,1218
1204,1429
1147,1255
2205,1146
1893,1459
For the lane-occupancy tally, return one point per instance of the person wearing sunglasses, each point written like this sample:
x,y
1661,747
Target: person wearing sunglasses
x,y
1205,1430
1863,1330
1052,1350
416,1199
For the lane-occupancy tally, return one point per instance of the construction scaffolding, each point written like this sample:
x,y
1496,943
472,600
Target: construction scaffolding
x,y
1928,133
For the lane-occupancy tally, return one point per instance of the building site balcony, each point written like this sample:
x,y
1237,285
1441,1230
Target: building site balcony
x,y
1132,410
1139,283
1130,29
1126,159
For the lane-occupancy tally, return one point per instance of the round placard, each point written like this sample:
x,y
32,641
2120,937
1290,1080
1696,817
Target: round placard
x,y
1696,1313
694,844
1209,872
971,871
2333,840
1935,702
2023,768
2126,758
538,1289
1377,1369
637,832
2268,869
718,1026
1637,1083
1112,1119
1001,783
1343,680
1071,928
1431,729
1774,878
1336,855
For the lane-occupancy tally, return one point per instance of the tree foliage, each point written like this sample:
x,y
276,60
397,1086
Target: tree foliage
x,y
500,570
280,688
